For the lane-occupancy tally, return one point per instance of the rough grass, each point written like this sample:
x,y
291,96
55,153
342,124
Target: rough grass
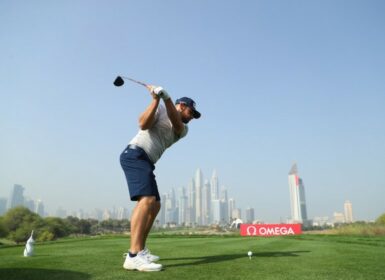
x,y
360,229
214,257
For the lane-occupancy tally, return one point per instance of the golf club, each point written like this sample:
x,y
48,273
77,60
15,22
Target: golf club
x,y
119,81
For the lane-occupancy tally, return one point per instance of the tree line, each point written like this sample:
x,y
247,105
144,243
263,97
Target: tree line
x,y
17,224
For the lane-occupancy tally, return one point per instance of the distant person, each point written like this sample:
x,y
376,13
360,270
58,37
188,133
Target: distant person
x,y
160,127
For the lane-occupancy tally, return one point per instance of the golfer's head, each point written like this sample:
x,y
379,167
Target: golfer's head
x,y
186,107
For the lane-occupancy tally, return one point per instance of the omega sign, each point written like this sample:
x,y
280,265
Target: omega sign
x,y
270,229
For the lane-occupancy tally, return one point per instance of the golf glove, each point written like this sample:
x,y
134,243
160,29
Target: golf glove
x,y
161,93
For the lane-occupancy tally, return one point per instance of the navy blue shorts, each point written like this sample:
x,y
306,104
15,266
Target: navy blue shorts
x,y
139,171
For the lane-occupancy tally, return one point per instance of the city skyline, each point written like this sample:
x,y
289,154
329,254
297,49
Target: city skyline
x,y
202,202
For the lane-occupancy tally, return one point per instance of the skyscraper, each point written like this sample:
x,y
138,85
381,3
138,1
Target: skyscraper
x,y
214,186
302,200
206,203
297,197
216,211
231,208
224,205
190,219
122,213
338,218
16,197
198,196
237,213
182,206
348,212
30,204
249,215
170,208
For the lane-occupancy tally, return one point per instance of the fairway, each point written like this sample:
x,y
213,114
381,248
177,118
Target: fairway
x,y
301,257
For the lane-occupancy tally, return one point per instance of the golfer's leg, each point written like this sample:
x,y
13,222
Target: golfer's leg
x,y
150,220
139,219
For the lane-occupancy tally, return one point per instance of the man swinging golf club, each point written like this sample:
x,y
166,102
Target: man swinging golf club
x,y
160,127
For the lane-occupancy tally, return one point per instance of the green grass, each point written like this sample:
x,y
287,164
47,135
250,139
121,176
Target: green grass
x,y
300,257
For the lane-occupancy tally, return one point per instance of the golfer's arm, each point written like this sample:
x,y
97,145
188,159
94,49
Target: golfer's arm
x,y
147,118
174,116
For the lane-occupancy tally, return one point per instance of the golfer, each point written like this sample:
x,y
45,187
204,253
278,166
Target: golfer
x,y
160,127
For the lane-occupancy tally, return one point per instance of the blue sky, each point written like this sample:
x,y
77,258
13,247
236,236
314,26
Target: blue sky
x,y
275,81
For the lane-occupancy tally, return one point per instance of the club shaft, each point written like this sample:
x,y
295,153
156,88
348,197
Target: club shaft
x,y
135,81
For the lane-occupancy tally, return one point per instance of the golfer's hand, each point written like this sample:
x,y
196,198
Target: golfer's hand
x,y
151,89
159,91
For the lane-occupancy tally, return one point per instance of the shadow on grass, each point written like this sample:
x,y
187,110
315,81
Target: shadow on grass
x,y
41,274
280,254
223,258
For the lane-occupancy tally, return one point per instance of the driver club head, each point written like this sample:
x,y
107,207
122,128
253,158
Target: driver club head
x,y
118,81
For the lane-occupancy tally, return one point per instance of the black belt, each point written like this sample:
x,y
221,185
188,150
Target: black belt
x,y
134,147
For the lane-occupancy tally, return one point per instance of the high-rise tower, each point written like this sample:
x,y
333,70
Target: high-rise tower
x,y
182,206
224,205
348,212
198,196
206,203
39,208
190,215
17,197
231,208
297,196
214,186
250,215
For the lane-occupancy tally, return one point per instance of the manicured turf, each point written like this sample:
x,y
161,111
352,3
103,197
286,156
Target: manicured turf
x,y
301,257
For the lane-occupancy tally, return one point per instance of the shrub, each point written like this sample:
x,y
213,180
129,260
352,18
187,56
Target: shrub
x,y
381,219
57,227
19,223
45,236
3,229
21,234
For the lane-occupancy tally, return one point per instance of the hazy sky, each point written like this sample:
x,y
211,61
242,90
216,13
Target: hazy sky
x,y
275,81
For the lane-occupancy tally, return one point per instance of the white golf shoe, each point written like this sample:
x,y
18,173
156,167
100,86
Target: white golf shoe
x,y
141,263
149,256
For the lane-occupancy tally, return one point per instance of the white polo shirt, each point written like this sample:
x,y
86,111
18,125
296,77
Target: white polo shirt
x,y
159,137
